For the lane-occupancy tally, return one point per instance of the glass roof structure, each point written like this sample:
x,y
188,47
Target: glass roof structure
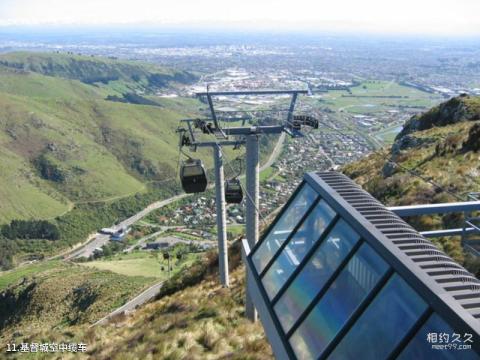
x,y
339,276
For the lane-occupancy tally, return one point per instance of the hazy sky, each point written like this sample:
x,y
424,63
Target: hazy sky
x,y
454,17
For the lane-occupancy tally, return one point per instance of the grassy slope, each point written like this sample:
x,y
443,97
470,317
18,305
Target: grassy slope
x,y
107,150
205,321
194,318
141,263
60,296
437,153
8,278
119,75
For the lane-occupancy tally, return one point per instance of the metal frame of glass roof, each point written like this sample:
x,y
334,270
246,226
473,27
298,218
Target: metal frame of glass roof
x,y
337,269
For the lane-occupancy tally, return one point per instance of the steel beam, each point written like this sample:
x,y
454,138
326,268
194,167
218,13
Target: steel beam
x,y
269,129
221,217
243,119
253,92
415,210
474,226
221,143
212,110
292,108
190,130
252,206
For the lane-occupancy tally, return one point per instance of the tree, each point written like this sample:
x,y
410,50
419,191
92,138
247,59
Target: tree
x,y
31,229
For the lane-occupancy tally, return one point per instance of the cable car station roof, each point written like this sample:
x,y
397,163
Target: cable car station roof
x,y
337,275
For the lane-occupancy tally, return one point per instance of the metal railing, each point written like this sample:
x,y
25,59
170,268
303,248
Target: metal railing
x,y
471,228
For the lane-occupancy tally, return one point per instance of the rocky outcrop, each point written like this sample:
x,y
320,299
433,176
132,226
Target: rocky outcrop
x,y
461,108
473,141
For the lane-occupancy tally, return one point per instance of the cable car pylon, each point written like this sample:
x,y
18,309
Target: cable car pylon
x,y
248,135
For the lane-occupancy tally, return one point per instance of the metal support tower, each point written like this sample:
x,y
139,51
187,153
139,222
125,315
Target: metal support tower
x,y
250,136
219,198
221,217
252,204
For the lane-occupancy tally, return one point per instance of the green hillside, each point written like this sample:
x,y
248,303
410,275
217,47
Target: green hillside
x,y
61,142
441,145
84,142
101,72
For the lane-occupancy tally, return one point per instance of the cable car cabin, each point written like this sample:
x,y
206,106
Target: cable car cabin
x,y
193,176
233,191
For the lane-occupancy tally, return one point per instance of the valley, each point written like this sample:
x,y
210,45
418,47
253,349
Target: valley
x,y
88,142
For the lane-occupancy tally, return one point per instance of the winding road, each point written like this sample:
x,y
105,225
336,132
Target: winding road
x,y
275,153
100,239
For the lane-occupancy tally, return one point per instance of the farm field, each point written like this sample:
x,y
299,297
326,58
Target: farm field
x,y
377,96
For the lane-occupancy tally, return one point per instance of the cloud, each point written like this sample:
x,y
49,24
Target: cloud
x,y
428,16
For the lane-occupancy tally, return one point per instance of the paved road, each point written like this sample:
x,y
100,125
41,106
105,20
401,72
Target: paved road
x,y
322,150
99,240
132,304
275,153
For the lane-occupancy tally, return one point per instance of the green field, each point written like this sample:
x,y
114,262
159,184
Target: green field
x,y
10,277
377,96
236,230
141,263
266,174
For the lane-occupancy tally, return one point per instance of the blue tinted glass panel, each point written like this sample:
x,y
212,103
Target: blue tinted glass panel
x,y
283,227
420,347
343,297
383,324
296,249
308,283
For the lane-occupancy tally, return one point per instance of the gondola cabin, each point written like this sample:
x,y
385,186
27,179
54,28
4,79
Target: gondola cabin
x,y
193,176
233,191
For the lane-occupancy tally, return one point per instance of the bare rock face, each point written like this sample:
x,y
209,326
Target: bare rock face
x,y
450,112
404,143
455,110
388,169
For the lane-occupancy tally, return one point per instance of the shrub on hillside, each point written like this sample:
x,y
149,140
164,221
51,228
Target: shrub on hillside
x,y
473,141
200,270
48,170
9,248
